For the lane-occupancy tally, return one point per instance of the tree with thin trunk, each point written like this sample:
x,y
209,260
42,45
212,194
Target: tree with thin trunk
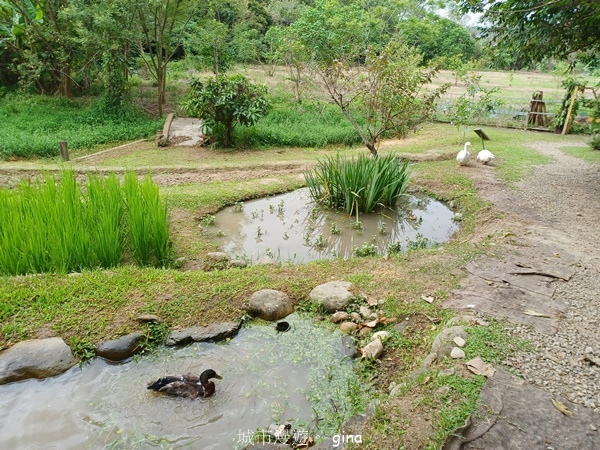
x,y
162,24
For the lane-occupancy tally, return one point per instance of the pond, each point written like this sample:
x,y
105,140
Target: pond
x,y
288,227
268,377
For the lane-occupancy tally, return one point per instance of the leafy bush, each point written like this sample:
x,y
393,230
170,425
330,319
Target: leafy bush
x,y
61,227
358,185
595,142
225,101
32,126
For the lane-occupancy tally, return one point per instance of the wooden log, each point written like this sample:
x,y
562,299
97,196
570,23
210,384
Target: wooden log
x,y
64,150
566,124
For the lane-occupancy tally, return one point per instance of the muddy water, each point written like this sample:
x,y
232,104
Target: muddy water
x,y
268,377
289,227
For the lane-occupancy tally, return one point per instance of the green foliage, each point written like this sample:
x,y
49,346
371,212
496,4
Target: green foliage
x,y
537,29
333,30
471,106
595,142
311,124
33,125
436,37
358,185
224,101
82,349
62,227
147,222
367,249
386,91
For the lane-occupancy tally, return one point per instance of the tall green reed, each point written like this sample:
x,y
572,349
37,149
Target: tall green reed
x,y
358,185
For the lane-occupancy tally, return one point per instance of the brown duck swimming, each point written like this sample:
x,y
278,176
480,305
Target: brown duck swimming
x,y
187,386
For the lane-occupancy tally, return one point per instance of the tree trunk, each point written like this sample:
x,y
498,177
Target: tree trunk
x,y
227,141
65,82
371,148
216,60
160,75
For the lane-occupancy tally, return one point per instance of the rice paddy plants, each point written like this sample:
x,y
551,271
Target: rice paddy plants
x,y
358,184
61,226
147,223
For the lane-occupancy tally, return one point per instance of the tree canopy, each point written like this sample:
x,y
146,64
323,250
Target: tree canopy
x,y
537,29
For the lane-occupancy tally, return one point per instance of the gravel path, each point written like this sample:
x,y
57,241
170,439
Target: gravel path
x,y
561,204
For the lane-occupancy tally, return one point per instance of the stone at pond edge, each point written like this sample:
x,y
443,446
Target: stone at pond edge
x,y
340,316
348,327
35,358
334,296
215,261
238,263
372,350
265,261
213,332
460,342
348,347
269,304
149,318
122,348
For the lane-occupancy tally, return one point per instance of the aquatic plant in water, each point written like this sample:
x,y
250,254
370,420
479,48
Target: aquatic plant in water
x,y
358,185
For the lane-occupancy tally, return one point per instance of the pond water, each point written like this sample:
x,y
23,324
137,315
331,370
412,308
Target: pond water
x,y
290,227
268,377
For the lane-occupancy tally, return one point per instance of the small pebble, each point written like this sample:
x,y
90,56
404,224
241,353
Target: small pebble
x,y
459,341
457,353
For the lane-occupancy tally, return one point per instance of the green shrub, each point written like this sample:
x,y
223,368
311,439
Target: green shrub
x,y
61,227
226,101
358,185
595,142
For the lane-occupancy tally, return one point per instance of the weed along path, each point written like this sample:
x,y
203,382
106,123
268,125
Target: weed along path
x,y
543,278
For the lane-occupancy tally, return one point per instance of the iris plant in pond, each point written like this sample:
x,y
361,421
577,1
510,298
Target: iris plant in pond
x,y
62,226
358,184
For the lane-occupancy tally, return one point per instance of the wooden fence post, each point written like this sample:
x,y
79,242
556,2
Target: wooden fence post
x,y
64,150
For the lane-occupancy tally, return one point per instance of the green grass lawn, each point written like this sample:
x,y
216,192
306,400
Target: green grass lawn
x,y
32,126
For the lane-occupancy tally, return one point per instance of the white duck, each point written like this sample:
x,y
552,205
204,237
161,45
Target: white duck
x,y
464,156
485,156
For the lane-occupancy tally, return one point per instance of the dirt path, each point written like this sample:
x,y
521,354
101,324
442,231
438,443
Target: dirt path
x,y
549,266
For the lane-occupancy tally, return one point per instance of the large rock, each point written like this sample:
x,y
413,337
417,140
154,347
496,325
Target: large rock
x,y
334,296
213,332
122,348
269,304
36,358
444,343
